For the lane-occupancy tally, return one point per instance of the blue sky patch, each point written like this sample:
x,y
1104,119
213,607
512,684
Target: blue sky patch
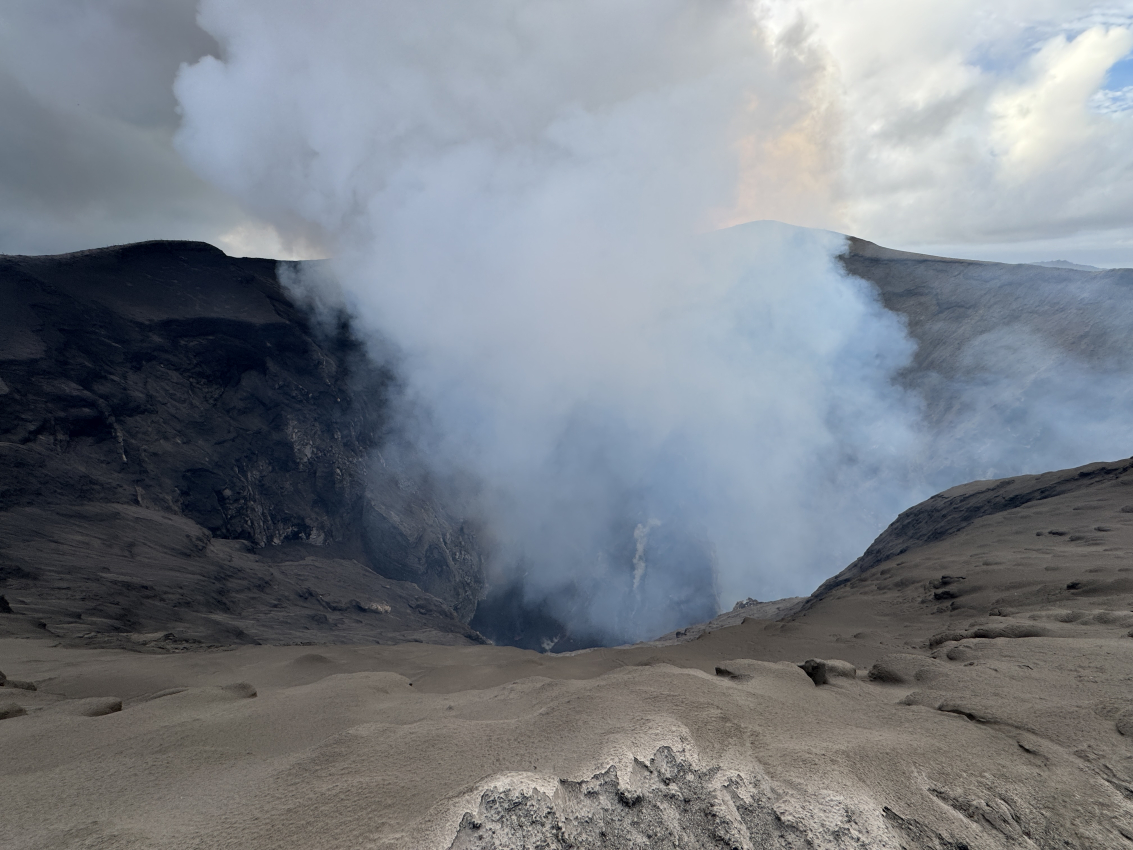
x,y
1120,76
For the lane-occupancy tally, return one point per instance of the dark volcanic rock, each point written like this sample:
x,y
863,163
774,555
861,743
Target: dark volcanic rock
x,y
121,575
170,376
416,539
506,616
172,427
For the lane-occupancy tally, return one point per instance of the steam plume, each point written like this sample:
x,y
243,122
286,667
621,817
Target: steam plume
x,y
517,196
521,198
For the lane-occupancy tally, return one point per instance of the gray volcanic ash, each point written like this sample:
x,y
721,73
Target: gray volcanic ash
x,y
964,685
1021,367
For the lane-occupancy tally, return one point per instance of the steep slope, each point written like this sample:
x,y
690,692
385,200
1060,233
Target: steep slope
x,y
951,303
163,398
170,376
1010,359
1093,488
171,379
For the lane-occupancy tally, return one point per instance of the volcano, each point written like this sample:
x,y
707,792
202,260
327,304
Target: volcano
x,y
224,622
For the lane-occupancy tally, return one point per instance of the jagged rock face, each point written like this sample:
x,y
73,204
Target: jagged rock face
x,y
670,803
415,539
169,377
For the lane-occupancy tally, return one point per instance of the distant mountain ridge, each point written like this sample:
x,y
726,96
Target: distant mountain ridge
x,y
1065,264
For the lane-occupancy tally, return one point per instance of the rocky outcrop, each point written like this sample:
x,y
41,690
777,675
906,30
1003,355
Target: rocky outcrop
x,y
166,379
412,534
121,575
666,803
172,377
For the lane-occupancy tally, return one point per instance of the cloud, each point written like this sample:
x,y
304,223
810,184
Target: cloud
x,y
86,91
969,124
1046,117
907,131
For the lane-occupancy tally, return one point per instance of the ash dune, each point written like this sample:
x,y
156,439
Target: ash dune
x,y
989,628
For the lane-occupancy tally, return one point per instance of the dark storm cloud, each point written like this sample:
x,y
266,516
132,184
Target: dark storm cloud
x,y
89,114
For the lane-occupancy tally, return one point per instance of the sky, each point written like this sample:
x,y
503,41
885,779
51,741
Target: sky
x,y
999,130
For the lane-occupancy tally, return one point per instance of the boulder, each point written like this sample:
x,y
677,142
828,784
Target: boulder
x,y
823,671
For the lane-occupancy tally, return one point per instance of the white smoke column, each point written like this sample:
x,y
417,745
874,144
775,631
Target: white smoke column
x,y
519,196
641,540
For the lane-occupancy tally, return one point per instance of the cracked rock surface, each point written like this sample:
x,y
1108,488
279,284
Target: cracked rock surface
x,y
666,802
